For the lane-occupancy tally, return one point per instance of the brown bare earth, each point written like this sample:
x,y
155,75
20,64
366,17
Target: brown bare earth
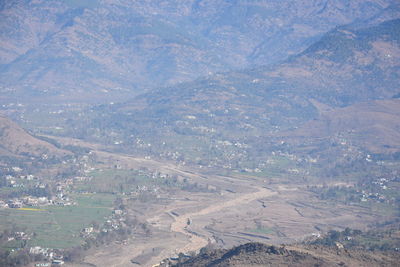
x,y
257,254
196,241
246,209
16,141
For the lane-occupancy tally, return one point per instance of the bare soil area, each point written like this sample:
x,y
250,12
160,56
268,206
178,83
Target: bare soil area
x,y
245,209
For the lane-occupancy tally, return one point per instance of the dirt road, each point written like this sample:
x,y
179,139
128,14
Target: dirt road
x,y
121,256
197,241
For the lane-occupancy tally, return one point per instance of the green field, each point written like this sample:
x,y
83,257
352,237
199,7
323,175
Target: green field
x,y
262,230
59,227
114,181
117,181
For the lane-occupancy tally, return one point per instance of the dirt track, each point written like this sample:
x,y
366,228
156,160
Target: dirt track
x,y
197,241
228,213
121,256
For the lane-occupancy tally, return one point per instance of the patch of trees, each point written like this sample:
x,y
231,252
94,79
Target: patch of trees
x,y
337,193
74,254
79,150
387,156
195,187
334,236
15,258
382,240
30,191
48,140
3,181
108,237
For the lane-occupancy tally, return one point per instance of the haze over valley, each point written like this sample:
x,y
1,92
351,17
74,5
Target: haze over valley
x,y
199,133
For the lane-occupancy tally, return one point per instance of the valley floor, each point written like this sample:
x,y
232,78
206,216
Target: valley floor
x,y
245,209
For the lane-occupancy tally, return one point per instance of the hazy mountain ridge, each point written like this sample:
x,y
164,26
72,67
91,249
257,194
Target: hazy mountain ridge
x,y
250,106
55,47
306,144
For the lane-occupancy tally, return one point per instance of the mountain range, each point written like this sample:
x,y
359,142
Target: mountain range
x,y
343,91
83,49
202,122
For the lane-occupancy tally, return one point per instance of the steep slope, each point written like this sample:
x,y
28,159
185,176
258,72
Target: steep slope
x,y
98,47
16,142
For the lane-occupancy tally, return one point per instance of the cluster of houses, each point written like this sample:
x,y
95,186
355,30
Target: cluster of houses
x,y
372,197
31,201
13,181
60,198
17,203
50,255
18,236
83,178
381,185
113,222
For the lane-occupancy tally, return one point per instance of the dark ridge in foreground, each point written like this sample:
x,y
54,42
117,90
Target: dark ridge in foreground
x,y
258,254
